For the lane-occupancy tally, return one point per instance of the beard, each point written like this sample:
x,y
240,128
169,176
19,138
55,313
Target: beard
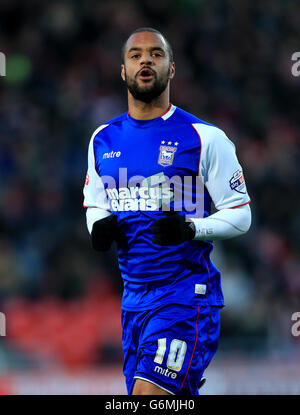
x,y
147,93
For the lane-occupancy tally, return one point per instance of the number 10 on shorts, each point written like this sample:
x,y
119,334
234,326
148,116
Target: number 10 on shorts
x,y
176,353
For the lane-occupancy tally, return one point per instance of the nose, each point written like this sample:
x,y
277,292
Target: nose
x,y
146,59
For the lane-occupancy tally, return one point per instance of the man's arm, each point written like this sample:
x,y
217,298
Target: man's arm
x,y
223,178
175,229
101,223
224,224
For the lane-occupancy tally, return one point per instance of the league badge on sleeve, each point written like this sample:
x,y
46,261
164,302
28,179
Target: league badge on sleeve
x,y
166,154
237,182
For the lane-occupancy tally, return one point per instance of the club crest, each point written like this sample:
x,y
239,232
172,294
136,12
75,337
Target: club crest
x,y
166,155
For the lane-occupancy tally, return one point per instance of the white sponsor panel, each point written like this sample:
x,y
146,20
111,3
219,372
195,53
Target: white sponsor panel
x,y
153,193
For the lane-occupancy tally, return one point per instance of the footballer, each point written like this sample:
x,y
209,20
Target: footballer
x,y
154,173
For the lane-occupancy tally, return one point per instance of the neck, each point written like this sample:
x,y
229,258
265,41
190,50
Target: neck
x,y
148,110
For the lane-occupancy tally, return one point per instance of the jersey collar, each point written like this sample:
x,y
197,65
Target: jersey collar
x,y
153,121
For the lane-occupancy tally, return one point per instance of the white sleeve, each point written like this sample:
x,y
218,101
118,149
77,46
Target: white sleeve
x,y
220,169
224,224
95,198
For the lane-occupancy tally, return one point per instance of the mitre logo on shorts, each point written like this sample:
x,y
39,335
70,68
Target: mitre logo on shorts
x,y
165,372
237,182
166,154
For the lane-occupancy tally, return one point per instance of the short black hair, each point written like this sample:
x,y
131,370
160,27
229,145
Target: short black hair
x,y
148,29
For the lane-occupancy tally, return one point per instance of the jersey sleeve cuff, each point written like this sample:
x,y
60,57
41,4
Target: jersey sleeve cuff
x,y
242,204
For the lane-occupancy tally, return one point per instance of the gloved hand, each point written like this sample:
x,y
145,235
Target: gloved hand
x,y
173,229
104,232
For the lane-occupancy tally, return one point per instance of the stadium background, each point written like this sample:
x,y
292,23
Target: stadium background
x,y
61,299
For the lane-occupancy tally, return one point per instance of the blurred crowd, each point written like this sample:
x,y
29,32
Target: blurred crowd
x,y
233,69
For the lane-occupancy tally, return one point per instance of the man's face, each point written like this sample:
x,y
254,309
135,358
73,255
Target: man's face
x,y
147,67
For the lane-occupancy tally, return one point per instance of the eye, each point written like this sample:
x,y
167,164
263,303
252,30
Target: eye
x,y
135,56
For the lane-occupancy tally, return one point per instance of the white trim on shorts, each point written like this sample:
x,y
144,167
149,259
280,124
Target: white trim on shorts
x,y
151,381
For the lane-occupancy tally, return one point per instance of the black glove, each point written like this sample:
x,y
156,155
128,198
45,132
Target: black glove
x,y
172,230
104,232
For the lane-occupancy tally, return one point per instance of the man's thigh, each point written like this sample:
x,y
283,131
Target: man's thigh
x,y
175,345
143,387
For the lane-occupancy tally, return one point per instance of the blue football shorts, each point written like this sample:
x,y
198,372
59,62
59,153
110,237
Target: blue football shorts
x,y
170,346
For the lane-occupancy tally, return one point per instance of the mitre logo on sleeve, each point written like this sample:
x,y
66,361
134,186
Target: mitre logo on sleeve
x,y
166,154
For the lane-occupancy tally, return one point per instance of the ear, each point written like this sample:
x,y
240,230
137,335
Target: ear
x,y
172,70
123,72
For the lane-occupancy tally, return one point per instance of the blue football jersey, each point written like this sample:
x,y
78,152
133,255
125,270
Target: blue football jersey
x,y
137,169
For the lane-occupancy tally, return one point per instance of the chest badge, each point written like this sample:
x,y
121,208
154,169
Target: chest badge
x,y
166,153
